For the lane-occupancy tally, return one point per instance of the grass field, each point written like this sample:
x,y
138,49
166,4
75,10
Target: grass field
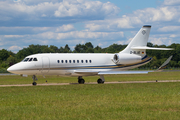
x,y
15,79
90,102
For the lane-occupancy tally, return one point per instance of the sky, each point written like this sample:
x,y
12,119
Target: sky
x,y
72,22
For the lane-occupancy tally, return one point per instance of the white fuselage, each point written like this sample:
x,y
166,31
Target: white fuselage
x,y
71,64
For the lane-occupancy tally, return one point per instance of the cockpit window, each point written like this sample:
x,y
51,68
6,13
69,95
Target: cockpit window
x,y
26,59
35,59
30,59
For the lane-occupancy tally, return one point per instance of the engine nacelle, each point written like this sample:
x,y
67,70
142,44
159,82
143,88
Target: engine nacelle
x,y
122,58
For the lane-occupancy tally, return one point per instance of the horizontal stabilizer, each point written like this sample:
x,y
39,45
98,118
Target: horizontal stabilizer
x,y
164,65
150,48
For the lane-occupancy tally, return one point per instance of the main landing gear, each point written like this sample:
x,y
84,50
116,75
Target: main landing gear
x,y
34,79
101,80
81,80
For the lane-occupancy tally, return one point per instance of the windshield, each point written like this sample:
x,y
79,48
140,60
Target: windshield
x,y
29,59
26,59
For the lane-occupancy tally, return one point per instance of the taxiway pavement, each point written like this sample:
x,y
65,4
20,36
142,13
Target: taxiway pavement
x,y
118,82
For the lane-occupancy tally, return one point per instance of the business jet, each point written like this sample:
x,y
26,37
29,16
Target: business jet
x,y
90,64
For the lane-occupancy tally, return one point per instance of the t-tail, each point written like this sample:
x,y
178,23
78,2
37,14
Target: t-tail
x,y
135,52
140,40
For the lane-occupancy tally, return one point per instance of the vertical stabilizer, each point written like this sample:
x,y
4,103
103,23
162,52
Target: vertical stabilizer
x,y
140,40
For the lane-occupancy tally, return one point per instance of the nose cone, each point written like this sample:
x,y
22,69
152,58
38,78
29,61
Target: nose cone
x,y
17,68
12,69
9,69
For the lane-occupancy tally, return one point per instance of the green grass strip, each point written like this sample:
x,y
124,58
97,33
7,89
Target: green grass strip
x,y
91,102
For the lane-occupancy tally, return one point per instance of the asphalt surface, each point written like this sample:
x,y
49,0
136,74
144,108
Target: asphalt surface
x,y
119,82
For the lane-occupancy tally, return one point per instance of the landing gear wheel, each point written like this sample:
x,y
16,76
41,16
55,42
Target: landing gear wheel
x,y
100,81
81,81
34,83
34,79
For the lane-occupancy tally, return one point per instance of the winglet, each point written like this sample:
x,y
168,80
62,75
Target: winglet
x,y
164,65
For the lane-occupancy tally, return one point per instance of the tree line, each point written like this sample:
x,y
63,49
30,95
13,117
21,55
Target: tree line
x,y
8,58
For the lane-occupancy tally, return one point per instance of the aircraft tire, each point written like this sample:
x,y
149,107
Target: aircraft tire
x,y
34,83
100,81
81,81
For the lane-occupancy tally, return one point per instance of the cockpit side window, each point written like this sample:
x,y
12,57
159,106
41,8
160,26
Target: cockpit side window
x,y
26,59
35,59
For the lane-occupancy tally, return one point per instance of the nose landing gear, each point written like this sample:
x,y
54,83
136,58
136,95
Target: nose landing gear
x,y
34,79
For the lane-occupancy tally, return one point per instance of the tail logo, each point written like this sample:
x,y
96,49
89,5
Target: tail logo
x,y
143,32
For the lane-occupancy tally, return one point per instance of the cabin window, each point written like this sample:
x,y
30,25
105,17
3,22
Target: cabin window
x,y
86,61
77,61
73,61
30,59
35,59
58,61
69,61
90,61
62,61
81,61
66,61
26,59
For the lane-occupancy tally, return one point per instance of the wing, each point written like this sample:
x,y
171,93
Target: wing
x,y
84,72
164,65
122,72
110,72
88,72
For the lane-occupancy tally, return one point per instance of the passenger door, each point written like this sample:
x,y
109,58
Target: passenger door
x,y
45,64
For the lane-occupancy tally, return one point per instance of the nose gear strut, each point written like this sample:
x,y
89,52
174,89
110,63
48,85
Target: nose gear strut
x,y
34,79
